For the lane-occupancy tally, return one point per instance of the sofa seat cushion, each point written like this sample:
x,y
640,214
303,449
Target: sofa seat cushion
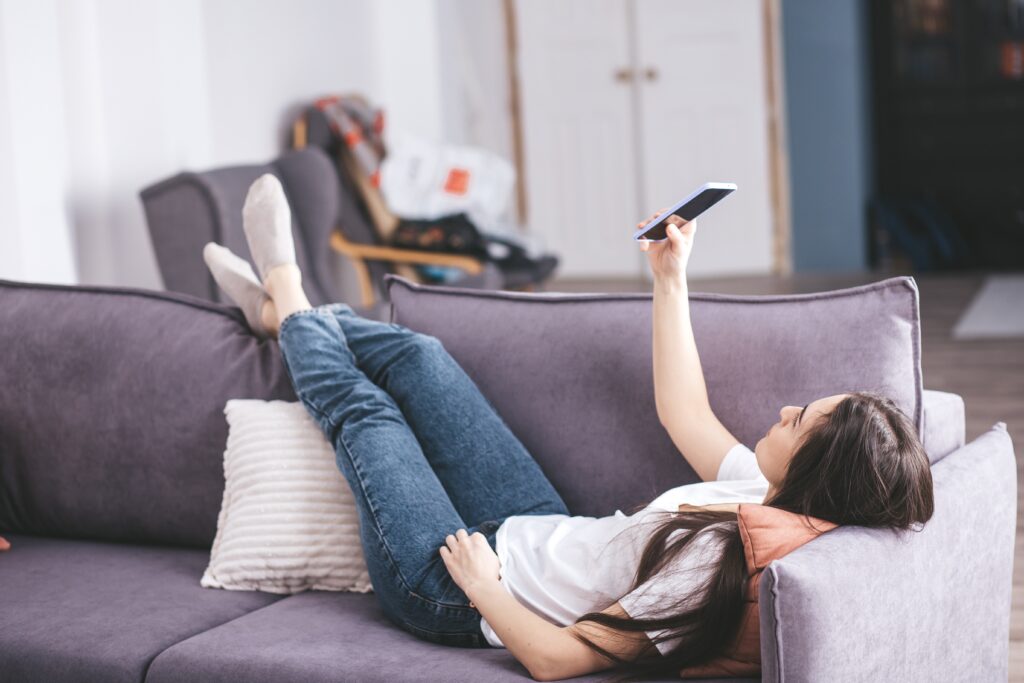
x,y
75,610
325,636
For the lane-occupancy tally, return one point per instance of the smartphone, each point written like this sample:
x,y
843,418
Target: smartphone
x,y
702,199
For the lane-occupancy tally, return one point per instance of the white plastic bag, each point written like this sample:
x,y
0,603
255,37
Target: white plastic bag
x,y
425,180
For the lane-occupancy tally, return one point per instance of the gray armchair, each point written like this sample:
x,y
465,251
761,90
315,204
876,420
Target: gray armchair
x,y
188,210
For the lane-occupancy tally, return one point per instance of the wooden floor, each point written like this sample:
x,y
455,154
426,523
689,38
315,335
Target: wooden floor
x,y
989,375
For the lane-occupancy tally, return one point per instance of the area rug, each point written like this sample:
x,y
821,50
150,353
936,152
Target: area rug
x,y
996,312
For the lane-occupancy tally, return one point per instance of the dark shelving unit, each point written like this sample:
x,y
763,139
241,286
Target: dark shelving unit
x,y
948,109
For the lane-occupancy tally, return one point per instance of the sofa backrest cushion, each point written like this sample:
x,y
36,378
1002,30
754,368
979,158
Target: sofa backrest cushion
x,y
571,374
112,411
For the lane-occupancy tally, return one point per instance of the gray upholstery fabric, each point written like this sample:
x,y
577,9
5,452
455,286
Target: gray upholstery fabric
x,y
112,416
84,612
571,373
317,637
867,605
112,427
944,423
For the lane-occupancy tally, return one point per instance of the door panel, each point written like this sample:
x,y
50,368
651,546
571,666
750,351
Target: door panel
x,y
593,143
704,118
579,151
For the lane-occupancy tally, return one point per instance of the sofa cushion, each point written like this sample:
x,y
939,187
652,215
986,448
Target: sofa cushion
x,y
945,423
112,419
289,521
571,373
324,636
86,611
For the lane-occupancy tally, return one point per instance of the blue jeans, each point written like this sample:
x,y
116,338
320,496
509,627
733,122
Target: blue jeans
x,y
424,452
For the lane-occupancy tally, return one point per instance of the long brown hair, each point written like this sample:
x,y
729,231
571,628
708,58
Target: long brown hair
x,y
862,464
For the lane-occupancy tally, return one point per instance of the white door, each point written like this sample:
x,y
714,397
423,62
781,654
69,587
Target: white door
x,y
704,116
577,119
601,151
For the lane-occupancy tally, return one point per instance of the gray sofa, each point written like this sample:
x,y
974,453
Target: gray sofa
x,y
111,450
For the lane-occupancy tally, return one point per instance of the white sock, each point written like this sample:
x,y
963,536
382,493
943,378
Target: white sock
x,y
236,277
267,221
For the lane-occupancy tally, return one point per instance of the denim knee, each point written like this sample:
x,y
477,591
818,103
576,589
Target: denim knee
x,y
340,308
423,345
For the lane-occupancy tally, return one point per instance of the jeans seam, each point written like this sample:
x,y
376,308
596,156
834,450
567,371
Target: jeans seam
x,y
288,318
384,543
476,635
304,398
340,308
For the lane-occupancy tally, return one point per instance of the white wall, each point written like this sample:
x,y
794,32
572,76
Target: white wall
x,y
32,178
474,57
99,98
267,58
136,108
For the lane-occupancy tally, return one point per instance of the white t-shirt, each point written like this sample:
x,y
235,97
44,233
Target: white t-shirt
x,y
561,567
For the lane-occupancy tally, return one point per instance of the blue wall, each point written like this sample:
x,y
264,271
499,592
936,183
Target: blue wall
x,y
828,110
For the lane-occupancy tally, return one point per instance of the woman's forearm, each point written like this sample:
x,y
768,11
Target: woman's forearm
x,y
679,389
537,643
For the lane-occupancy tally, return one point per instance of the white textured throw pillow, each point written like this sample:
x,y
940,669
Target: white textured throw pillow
x,y
288,522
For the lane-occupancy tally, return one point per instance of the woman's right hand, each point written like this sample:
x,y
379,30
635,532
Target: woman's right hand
x,y
668,258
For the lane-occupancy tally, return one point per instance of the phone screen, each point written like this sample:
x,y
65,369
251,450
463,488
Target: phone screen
x,y
688,211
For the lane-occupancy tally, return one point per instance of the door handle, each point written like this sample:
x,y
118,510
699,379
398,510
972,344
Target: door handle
x,y
624,75
651,74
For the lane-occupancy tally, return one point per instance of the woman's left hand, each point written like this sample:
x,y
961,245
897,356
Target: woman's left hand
x,y
470,560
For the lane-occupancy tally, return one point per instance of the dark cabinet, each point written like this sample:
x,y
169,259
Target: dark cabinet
x,y
948,105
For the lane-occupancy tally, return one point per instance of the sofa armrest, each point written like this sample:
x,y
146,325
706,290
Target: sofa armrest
x,y
863,604
944,423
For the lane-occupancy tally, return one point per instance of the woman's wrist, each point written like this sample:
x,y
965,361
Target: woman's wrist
x,y
671,285
478,591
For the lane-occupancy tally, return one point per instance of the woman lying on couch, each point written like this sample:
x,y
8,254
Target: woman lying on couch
x,y
468,544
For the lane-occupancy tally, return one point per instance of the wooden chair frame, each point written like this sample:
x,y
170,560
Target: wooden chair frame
x,y
359,254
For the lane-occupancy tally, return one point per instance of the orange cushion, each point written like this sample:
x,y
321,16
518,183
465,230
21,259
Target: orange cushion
x,y
768,534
